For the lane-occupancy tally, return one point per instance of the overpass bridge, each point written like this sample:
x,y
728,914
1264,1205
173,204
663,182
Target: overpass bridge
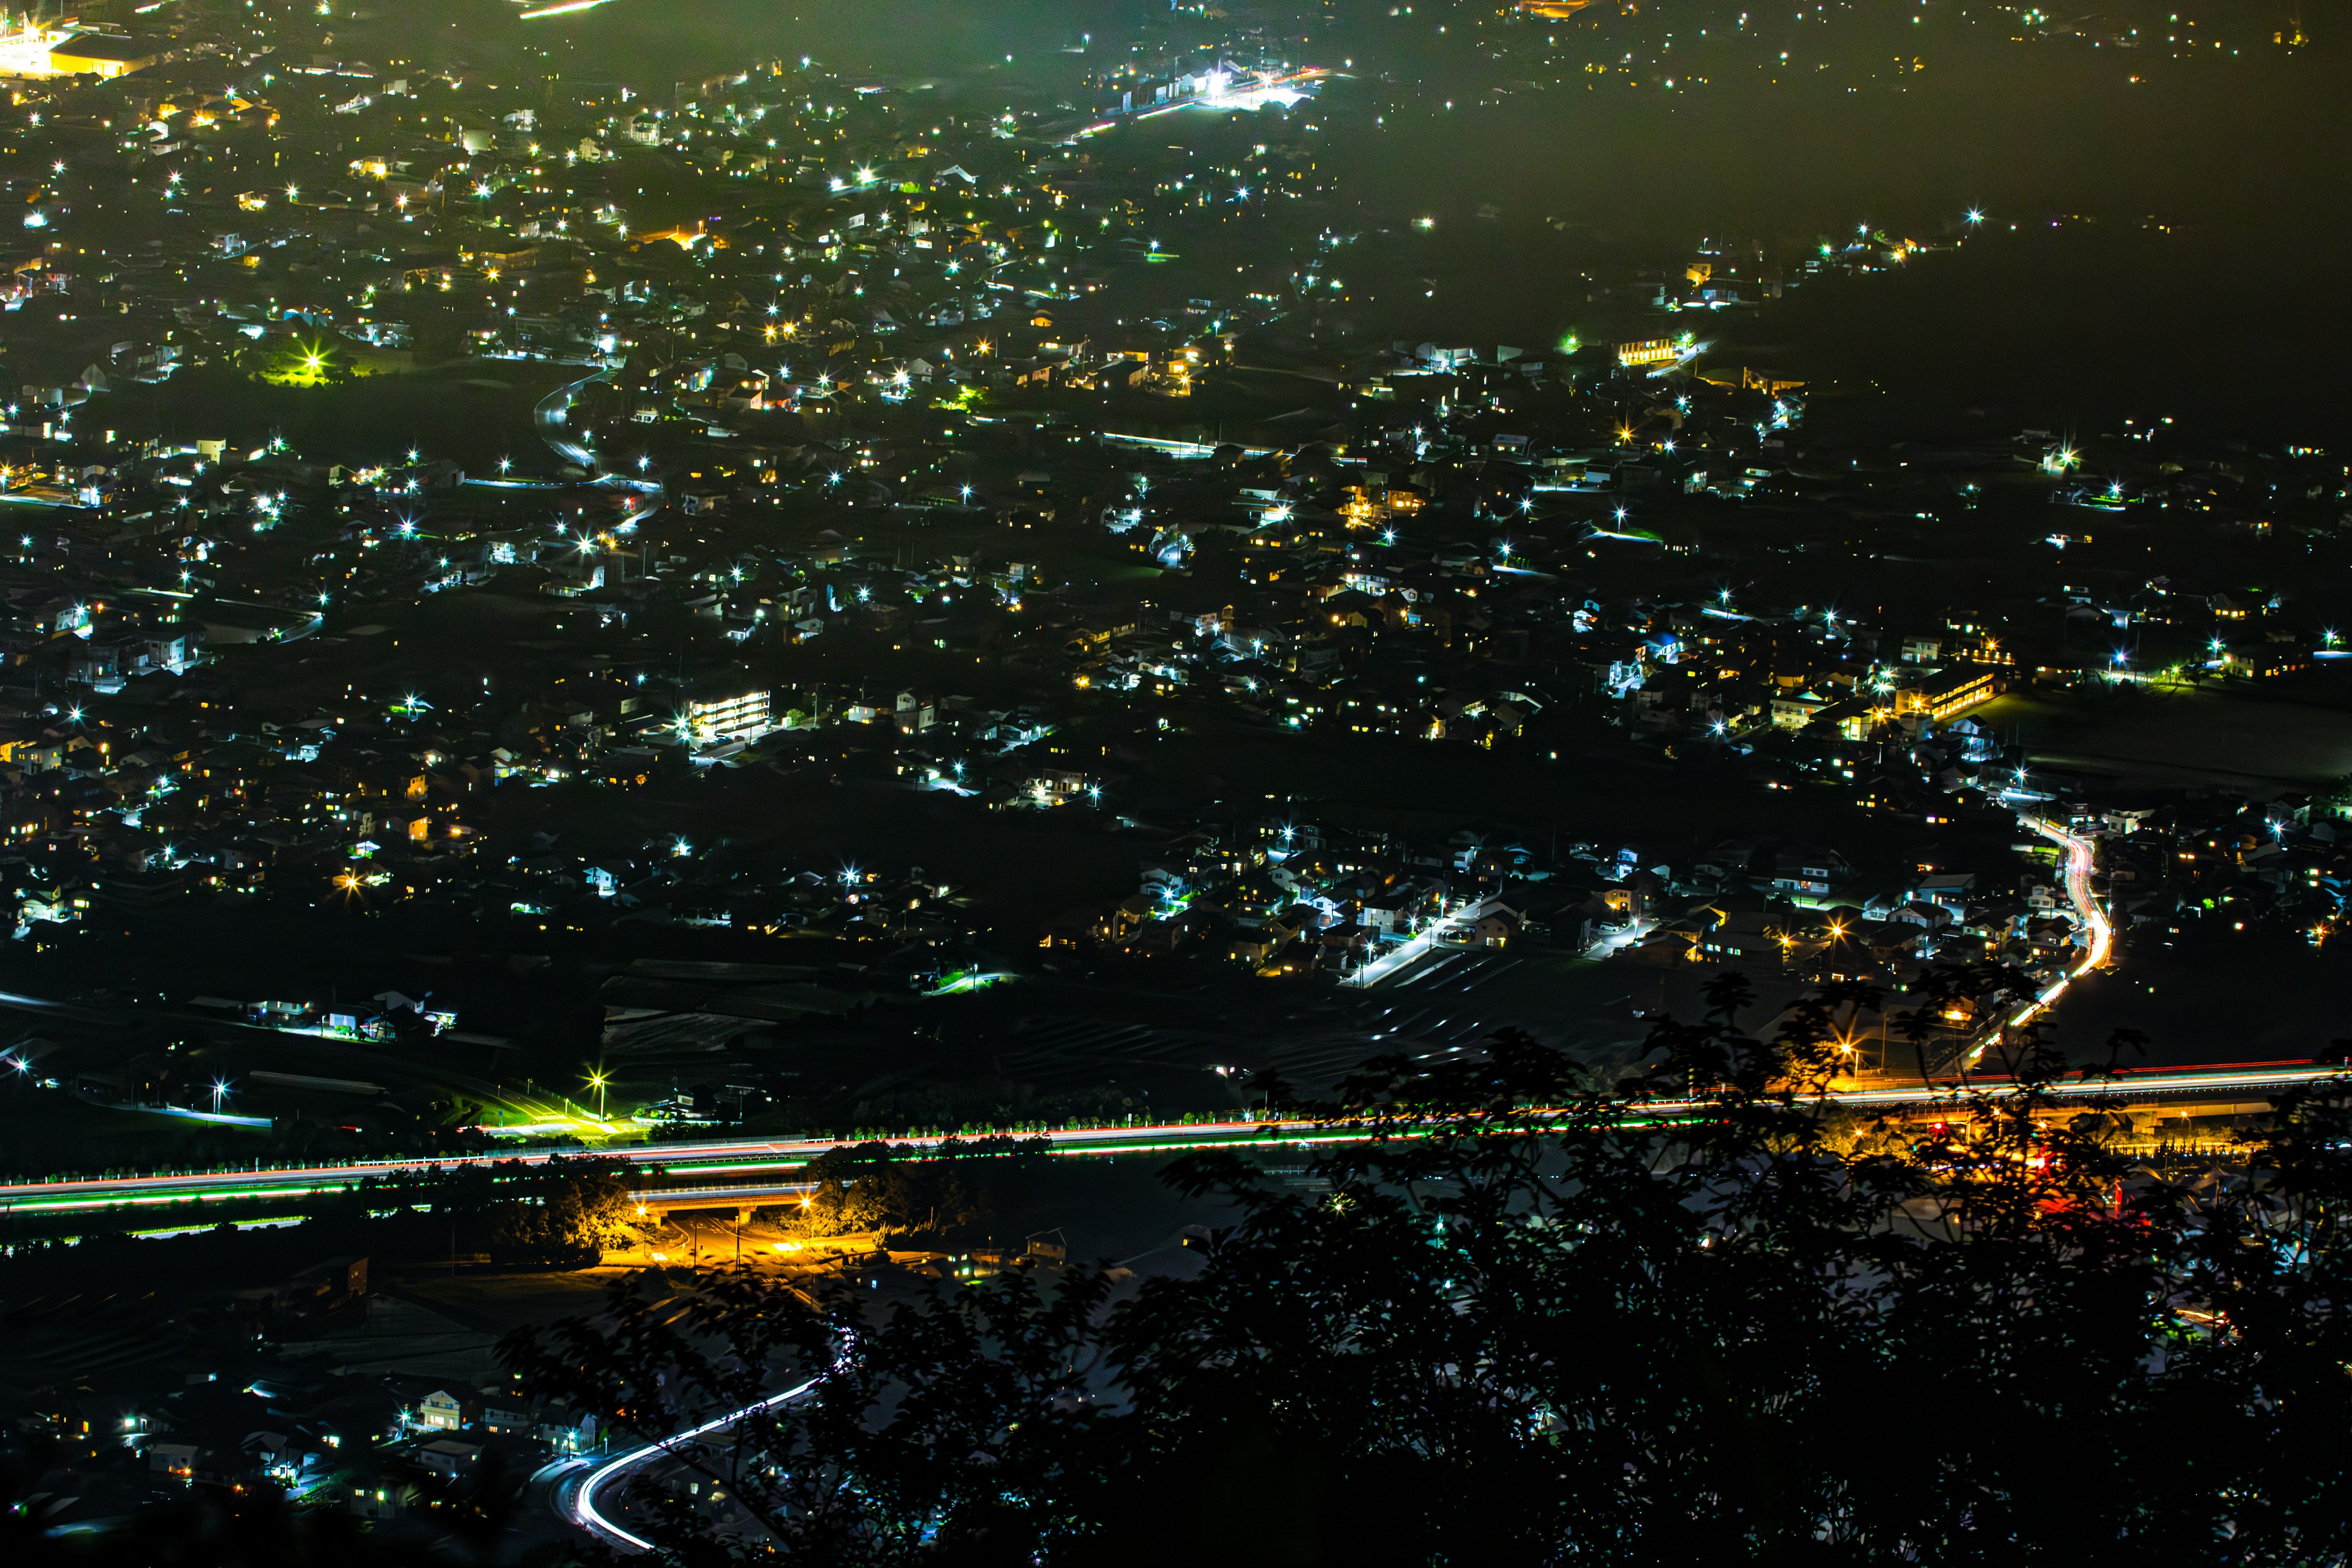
x,y
742,1198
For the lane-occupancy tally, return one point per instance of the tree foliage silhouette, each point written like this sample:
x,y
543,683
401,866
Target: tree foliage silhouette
x,y
1694,1318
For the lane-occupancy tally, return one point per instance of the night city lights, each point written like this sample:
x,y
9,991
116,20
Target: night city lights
x,y
1415,784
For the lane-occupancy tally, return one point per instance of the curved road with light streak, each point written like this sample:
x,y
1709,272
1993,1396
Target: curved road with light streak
x,y
581,1505
2081,855
554,413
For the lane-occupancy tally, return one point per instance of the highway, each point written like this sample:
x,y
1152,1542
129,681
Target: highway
x,y
731,1158
727,1172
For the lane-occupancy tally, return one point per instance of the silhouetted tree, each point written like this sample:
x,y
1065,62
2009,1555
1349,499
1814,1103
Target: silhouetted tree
x,y
1527,1322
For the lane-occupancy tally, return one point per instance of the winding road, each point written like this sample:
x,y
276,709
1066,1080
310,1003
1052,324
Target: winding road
x,y
2082,856
552,416
581,1497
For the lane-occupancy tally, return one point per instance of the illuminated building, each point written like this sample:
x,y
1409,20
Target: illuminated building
x,y
742,714
1950,695
96,54
1649,351
32,48
25,46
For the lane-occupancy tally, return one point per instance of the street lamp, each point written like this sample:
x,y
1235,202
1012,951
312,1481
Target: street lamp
x,y
598,1080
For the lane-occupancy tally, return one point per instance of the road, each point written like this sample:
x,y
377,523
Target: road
x,y
582,1496
554,414
2082,856
751,1170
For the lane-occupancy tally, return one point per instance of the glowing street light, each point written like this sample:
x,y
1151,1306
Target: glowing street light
x,y
598,1080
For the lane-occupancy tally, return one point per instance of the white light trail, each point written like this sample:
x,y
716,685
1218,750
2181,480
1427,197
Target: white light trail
x,y
2080,853
584,1504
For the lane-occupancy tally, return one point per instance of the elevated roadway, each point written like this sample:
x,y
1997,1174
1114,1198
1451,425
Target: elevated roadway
x,y
725,1172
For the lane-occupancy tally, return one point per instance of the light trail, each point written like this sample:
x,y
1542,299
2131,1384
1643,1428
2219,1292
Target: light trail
x,y
724,1156
1421,943
114,1195
2081,853
584,1502
565,9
